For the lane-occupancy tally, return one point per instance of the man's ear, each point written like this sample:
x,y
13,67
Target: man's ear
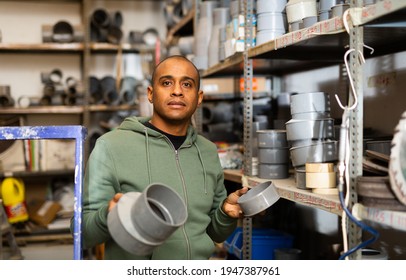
x,y
150,92
200,97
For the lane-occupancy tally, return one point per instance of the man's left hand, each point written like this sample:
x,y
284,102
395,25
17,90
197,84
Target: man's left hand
x,y
231,206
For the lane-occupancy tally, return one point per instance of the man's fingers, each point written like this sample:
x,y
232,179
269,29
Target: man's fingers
x,y
117,197
242,191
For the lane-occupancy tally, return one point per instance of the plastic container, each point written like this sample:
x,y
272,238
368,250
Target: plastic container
x,y
264,242
229,242
13,194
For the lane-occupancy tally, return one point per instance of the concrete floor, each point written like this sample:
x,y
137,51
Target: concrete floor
x,y
47,251
43,251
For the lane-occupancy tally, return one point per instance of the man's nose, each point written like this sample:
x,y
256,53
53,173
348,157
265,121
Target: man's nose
x,y
177,91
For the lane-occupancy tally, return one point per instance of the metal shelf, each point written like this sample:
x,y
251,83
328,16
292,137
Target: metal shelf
x,y
109,108
232,65
388,11
66,109
76,48
125,47
43,110
324,43
287,189
37,174
41,48
394,219
184,27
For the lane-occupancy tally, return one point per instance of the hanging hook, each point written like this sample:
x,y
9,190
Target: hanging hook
x,y
345,20
353,91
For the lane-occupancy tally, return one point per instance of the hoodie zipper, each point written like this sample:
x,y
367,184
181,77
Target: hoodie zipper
x,y
184,191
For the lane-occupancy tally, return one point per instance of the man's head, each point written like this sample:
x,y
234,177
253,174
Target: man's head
x,y
175,57
174,93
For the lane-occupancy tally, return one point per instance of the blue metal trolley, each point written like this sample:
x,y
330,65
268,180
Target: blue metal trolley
x,y
76,132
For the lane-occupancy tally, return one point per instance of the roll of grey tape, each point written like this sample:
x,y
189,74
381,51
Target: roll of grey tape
x,y
372,254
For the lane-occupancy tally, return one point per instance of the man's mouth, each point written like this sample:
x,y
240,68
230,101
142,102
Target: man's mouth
x,y
176,104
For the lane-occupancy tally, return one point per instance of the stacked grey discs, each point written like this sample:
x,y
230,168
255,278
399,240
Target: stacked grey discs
x,y
310,132
273,154
271,20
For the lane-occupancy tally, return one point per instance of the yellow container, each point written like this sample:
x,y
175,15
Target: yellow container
x,y
13,195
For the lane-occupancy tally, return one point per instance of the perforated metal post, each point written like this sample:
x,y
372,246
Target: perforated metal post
x,y
356,128
75,132
248,74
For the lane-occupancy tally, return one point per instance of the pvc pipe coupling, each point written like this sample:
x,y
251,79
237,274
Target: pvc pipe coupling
x,y
62,32
140,222
5,97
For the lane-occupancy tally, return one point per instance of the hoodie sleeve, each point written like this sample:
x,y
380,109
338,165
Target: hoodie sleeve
x,y
221,225
100,186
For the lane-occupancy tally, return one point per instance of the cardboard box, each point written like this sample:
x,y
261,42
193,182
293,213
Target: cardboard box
x,y
43,212
218,86
232,86
57,154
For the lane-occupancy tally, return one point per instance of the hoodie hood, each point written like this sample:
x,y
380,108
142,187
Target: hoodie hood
x,y
136,124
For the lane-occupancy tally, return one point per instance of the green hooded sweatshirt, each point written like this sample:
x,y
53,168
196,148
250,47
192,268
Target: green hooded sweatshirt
x,y
130,158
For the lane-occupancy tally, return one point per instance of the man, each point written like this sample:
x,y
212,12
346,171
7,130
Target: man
x,y
164,148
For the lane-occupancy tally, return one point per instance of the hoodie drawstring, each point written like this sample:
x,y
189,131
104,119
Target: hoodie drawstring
x,y
148,156
204,168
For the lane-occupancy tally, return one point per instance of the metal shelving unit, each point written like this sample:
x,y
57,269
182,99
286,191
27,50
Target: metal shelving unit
x,y
381,26
86,50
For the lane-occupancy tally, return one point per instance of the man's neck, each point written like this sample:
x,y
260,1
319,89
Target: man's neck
x,y
173,129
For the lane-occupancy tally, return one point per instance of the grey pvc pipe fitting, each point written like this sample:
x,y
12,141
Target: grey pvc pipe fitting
x,y
96,91
114,34
140,222
109,90
116,18
100,18
220,113
5,97
54,77
62,32
136,37
128,89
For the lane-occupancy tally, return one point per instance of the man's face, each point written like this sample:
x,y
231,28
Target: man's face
x,y
175,94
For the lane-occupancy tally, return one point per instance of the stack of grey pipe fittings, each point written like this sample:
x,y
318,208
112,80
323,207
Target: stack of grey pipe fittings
x,y
310,132
273,154
106,27
55,92
271,20
218,120
104,91
210,31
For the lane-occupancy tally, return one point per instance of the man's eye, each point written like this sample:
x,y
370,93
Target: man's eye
x,y
166,83
187,84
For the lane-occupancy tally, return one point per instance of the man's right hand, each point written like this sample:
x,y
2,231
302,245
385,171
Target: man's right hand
x,y
114,200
